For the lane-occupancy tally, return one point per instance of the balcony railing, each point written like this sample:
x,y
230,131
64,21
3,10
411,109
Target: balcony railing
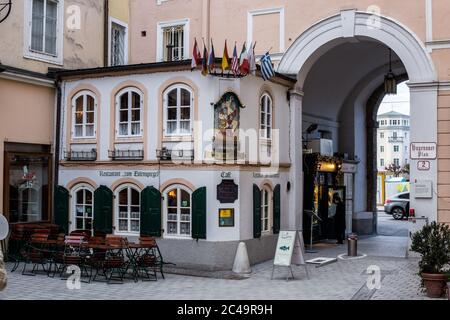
x,y
174,155
396,139
126,154
81,155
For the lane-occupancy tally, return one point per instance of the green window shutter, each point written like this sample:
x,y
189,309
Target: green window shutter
x,y
256,212
151,212
276,209
103,210
61,208
199,214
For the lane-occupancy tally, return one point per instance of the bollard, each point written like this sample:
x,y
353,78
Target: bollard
x,y
241,262
352,246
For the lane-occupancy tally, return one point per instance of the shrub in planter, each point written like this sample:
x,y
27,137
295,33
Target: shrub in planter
x,y
433,244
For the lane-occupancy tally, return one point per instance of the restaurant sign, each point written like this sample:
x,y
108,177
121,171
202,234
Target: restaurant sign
x,y
423,151
131,173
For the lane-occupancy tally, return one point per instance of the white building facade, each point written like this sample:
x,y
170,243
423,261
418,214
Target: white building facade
x,y
393,140
144,153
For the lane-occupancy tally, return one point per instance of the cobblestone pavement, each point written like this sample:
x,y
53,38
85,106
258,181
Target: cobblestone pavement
x,y
344,280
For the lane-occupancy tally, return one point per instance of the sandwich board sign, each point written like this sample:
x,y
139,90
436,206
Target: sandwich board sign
x,y
290,251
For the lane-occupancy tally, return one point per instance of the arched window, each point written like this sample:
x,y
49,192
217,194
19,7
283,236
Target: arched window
x,y
84,108
129,105
266,210
178,209
83,208
178,110
266,116
128,209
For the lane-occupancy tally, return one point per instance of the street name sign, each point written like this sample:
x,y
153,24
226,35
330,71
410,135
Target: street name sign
x,y
423,151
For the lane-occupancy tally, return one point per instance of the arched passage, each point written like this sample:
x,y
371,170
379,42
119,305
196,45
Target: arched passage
x,y
340,64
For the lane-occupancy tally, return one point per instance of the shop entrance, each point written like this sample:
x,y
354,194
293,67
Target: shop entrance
x,y
342,65
27,180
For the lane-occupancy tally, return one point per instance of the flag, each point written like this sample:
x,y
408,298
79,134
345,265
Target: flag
x,y
267,70
243,53
235,61
252,59
205,60
196,56
212,58
225,58
243,61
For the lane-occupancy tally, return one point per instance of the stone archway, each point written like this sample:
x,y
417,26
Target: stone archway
x,y
349,26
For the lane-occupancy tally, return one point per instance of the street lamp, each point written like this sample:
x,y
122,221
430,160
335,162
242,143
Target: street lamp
x,y
390,83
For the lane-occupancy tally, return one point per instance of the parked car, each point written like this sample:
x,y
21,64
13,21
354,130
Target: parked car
x,y
398,205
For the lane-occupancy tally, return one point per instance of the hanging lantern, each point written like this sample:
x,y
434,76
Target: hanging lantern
x,y
390,83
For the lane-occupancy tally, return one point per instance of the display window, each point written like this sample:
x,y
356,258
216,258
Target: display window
x,y
27,177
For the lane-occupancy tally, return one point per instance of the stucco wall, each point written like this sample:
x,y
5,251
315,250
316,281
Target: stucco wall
x,y
299,15
23,118
82,48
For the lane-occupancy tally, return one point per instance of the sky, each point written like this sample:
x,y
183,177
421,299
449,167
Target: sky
x,y
399,102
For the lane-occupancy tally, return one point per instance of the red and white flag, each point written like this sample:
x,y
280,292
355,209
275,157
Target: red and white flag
x,y
196,57
245,66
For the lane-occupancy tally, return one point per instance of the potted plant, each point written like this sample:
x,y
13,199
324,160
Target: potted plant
x,y
433,244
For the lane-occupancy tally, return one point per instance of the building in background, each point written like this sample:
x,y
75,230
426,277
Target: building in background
x,y
36,36
393,140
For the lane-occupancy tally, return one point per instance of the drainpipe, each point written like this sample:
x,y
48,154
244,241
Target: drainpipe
x,y
105,33
58,130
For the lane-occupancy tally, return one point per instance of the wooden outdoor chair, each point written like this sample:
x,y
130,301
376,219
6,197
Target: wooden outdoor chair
x,y
152,253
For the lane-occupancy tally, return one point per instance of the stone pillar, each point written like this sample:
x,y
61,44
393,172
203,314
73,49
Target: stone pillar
x,y
295,216
424,128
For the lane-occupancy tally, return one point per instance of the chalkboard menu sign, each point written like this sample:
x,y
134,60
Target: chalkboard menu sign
x,y
227,191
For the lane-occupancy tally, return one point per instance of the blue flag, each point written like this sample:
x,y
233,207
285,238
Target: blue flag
x,y
267,70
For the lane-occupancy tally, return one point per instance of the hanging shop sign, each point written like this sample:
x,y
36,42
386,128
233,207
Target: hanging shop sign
x,y
423,151
227,191
226,217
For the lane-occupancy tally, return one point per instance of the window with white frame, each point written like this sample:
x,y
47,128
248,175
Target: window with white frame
x,y
266,116
178,109
173,40
397,162
381,149
84,113
128,208
178,209
44,29
381,162
382,135
396,148
266,210
173,43
118,43
83,210
129,104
